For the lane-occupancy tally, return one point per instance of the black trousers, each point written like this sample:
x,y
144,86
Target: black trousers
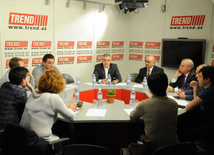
x,y
194,126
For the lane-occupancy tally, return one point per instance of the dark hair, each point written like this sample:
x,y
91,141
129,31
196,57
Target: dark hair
x,y
208,72
47,56
158,83
17,74
14,62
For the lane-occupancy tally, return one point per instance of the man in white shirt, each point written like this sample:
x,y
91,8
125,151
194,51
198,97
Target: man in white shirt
x,y
102,70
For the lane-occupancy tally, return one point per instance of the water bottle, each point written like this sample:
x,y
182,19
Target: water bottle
x,y
93,81
78,82
144,84
109,81
132,98
99,98
64,94
76,94
128,81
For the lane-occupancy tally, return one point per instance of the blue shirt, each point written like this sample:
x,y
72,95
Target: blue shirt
x,y
208,97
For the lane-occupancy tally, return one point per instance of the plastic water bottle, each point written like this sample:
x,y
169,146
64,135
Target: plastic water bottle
x,y
64,94
76,94
144,84
128,81
99,98
132,98
78,82
109,81
93,81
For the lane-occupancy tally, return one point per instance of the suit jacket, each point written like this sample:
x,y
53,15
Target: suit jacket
x,y
99,72
143,72
179,82
12,103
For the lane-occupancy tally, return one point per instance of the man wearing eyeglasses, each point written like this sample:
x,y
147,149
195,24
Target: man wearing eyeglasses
x,y
102,70
183,76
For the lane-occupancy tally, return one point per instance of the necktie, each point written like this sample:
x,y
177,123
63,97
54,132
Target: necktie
x,y
183,85
148,74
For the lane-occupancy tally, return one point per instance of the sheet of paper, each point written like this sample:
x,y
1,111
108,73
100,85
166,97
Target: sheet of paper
x,y
179,101
138,86
128,111
96,112
121,84
69,86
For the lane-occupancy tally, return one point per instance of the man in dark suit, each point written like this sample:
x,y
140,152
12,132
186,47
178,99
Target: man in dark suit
x,y
183,76
13,96
150,68
102,70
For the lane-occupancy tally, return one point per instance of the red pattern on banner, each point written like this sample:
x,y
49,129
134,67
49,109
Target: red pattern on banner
x,y
135,56
84,44
65,59
65,44
187,20
27,19
136,43
36,61
152,44
84,58
103,43
99,57
117,43
16,43
41,44
117,56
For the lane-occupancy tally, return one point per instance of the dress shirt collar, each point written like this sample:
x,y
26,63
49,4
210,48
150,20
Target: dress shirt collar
x,y
150,69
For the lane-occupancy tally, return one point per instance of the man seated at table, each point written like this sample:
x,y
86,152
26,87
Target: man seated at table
x,y
198,122
102,70
183,76
150,68
188,93
157,112
15,62
13,96
47,63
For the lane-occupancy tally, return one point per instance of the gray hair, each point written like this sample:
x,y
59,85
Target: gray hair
x,y
106,55
190,63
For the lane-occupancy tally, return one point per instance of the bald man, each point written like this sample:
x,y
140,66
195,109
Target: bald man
x,y
188,93
183,76
150,68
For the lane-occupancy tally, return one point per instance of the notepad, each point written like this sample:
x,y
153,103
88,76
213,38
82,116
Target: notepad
x,y
96,112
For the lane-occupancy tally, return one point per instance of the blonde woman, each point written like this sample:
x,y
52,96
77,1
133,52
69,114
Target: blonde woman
x,y
43,106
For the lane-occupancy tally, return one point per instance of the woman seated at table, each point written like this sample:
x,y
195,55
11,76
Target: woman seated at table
x,y
159,113
43,106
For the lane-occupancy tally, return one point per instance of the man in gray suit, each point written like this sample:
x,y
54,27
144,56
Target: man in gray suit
x,y
102,70
150,68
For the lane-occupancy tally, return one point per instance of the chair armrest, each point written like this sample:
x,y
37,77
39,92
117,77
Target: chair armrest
x,y
59,141
124,151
